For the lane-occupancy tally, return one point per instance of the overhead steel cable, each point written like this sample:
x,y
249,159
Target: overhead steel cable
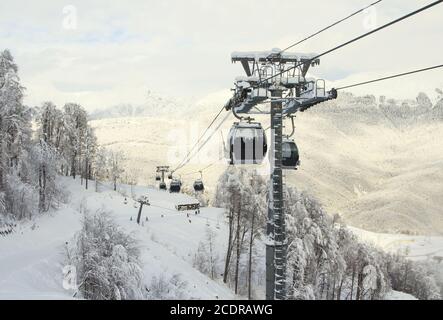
x,y
200,138
390,77
330,26
287,48
201,170
413,13
203,144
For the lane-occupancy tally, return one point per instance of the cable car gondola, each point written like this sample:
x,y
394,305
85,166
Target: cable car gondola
x,y
247,143
198,185
170,176
158,178
163,186
175,186
290,154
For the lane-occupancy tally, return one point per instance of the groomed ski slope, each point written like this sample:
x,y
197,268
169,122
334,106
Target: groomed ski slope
x,y
31,259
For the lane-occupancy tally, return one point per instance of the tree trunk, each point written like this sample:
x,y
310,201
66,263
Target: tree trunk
x,y
251,240
359,285
237,265
73,166
352,282
42,188
86,174
229,250
333,289
340,288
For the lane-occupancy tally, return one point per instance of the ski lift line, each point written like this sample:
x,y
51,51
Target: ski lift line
x,y
201,170
201,137
132,198
190,157
409,15
204,143
330,26
390,77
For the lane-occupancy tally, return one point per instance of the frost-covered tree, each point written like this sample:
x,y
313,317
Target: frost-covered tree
x,y
89,150
76,125
116,169
107,260
206,257
243,194
16,189
420,279
45,156
325,260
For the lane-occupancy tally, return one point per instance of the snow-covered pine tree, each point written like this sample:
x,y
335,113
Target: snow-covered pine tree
x,y
115,163
76,124
16,190
45,157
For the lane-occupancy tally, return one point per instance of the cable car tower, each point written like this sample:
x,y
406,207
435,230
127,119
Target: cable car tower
x,y
277,79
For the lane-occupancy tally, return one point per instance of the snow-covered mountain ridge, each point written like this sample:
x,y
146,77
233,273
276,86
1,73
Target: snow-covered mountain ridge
x,y
377,162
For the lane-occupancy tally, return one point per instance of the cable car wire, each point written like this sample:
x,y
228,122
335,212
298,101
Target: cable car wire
x,y
409,15
390,77
188,157
330,26
203,144
200,139
287,48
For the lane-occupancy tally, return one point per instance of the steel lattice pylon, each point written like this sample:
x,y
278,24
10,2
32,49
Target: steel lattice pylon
x,y
277,79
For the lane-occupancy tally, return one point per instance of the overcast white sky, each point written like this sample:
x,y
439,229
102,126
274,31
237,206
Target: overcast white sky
x,y
121,49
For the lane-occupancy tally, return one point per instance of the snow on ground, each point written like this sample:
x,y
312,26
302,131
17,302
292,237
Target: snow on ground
x,y
31,259
419,247
396,295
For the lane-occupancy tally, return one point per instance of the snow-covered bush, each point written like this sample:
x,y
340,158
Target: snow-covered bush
x,y
22,197
107,260
206,258
161,288
420,279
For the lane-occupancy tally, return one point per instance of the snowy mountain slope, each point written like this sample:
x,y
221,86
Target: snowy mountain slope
x,y
31,260
154,105
418,247
378,163
32,267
